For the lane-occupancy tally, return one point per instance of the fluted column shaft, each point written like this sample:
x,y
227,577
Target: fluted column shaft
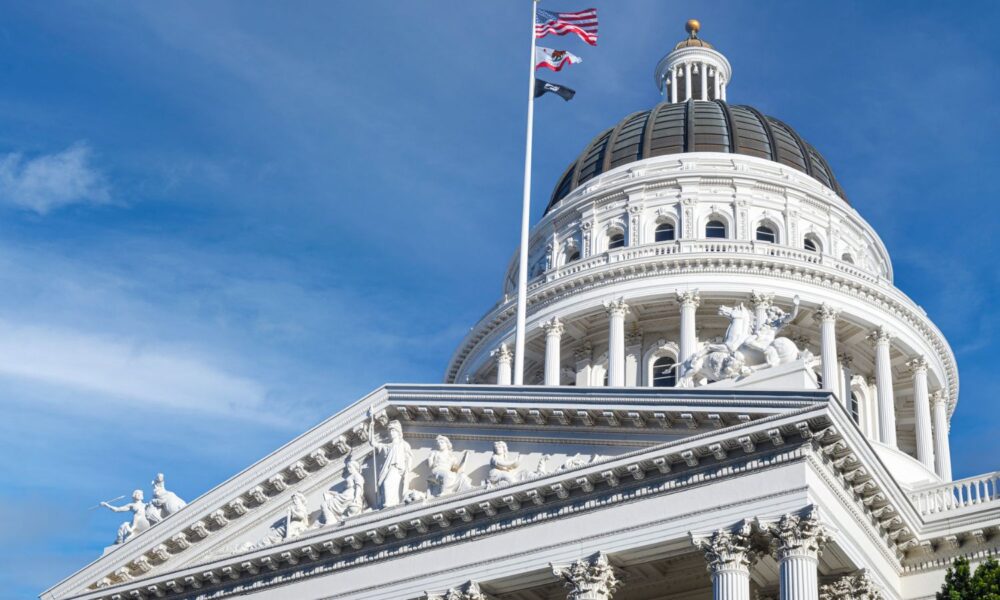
x,y
617,309
553,339
504,358
689,301
797,576
687,81
880,338
942,450
731,584
828,348
922,410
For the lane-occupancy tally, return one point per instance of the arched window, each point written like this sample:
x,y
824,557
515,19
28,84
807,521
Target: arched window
x,y
847,258
810,245
574,254
765,233
665,232
715,229
616,240
664,374
855,408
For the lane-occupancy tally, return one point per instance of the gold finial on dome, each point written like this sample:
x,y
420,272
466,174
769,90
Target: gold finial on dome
x,y
693,26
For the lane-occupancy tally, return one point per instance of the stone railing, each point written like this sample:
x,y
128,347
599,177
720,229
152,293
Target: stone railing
x,y
972,491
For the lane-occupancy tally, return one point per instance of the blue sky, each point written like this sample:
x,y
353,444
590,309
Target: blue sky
x,y
220,222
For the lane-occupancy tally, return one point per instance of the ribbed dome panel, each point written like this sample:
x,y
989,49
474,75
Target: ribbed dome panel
x,y
694,126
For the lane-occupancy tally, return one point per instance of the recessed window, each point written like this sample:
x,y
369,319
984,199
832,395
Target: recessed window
x,y
664,374
665,232
573,255
715,230
616,240
847,258
855,408
810,245
765,233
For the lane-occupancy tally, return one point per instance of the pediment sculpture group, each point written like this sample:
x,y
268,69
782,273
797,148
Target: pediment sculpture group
x,y
146,514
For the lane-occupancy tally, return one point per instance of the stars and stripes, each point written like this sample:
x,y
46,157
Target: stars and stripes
x,y
554,59
583,23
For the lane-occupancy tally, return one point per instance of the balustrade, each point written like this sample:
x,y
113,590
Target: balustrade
x,y
959,494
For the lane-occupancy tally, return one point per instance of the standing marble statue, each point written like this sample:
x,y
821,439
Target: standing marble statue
x,y
139,523
297,517
447,470
164,502
337,506
394,466
505,468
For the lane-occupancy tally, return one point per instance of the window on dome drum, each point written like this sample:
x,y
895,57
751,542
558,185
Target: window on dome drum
x,y
766,234
664,374
810,245
855,408
715,230
617,240
665,232
574,255
847,258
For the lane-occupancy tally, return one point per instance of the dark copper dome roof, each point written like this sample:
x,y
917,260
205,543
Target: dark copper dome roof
x,y
694,126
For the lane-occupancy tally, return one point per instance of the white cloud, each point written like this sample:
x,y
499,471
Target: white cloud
x,y
51,181
127,373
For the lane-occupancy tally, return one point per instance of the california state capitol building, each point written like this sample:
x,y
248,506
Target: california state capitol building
x,y
727,397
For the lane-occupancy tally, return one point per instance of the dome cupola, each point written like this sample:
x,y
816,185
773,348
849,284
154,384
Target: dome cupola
x,y
693,70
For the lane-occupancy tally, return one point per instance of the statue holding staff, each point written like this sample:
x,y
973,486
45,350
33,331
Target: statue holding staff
x,y
396,459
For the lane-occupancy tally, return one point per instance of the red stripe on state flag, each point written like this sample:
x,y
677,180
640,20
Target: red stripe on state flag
x,y
554,59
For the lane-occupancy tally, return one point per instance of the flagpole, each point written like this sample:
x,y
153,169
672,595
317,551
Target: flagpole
x,y
522,270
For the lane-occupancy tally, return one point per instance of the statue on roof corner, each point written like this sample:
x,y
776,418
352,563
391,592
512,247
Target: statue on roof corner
x,y
140,521
394,467
164,502
750,344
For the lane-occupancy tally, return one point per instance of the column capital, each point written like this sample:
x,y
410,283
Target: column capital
x,y
827,312
590,578
469,591
798,535
855,586
616,308
845,359
553,326
689,298
880,335
761,299
728,549
503,354
918,364
938,397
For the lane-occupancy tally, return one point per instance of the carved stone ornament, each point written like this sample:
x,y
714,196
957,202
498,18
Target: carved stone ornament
x,y
616,307
505,467
688,297
728,549
856,586
798,535
503,354
827,312
589,579
469,591
879,336
553,327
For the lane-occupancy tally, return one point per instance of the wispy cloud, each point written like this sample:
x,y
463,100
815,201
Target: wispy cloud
x,y
52,181
117,370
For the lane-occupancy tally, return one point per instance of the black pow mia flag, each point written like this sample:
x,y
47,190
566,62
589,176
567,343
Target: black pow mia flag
x,y
544,86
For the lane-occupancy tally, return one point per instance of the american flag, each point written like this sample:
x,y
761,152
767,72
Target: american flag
x,y
583,23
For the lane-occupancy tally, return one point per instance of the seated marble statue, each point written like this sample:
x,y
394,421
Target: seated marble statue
x,y
139,523
297,517
505,467
337,506
447,476
164,502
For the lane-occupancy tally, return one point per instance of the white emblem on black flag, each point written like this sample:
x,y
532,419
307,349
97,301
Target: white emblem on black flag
x,y
541,87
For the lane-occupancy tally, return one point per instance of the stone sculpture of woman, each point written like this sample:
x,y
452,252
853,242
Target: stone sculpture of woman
x,y
164,502
139,521
394,466
447,476
337,506
297,517
505,468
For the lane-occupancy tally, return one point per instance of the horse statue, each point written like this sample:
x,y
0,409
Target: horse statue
x,y
750,344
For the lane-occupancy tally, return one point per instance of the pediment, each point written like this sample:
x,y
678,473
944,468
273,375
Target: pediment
x,y
548,432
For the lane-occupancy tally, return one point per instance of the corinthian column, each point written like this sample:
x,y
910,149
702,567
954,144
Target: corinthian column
x,y
469,591
689,301
942,451
856,586
617,309
504,357
880,338
729,557
922,410
589,579
553,337
797,541
828,347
